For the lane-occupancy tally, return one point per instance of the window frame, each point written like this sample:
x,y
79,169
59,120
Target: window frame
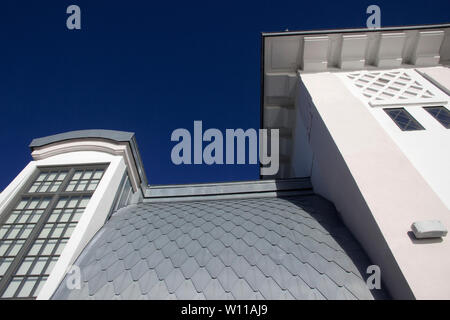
x,y
387,109
427,109
32,238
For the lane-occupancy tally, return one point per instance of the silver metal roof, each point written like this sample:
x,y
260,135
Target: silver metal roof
x,y
259,248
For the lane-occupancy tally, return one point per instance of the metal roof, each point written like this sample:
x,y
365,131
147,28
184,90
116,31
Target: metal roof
x,y
259,248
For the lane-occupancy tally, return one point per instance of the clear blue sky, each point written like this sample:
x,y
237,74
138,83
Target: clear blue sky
x,y
151,67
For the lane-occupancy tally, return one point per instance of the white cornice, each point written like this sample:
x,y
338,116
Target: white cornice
x,y
356,50
90,144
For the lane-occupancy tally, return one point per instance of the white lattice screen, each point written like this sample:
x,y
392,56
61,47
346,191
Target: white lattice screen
x,y
394,87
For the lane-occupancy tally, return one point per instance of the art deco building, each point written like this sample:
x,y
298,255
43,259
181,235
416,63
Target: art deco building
x,y
364,181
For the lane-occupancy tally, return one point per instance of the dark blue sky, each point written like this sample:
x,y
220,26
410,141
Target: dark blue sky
x,y
151,67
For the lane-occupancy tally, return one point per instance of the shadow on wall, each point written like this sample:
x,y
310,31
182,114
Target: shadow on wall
x,y
325,214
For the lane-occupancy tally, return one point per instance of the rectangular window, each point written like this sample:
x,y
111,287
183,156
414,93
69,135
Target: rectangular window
x,y
441,114
36,229
403,119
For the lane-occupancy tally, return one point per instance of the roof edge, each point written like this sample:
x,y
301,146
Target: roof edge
x,y
227,189
119,136
351,30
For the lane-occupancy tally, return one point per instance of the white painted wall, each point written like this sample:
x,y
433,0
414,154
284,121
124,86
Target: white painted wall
x,y
376,188
428,150
302,156
94,215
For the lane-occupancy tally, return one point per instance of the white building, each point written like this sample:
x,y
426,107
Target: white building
x,y
364,119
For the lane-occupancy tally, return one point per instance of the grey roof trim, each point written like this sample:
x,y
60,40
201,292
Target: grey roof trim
x,y
119,136
228,189
114,135
350,30
248,195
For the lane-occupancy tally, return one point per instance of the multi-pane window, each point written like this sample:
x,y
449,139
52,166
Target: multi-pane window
x,y
441,114
403,119
35,230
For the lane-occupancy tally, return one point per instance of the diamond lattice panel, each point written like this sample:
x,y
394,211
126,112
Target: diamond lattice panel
x,y
394,87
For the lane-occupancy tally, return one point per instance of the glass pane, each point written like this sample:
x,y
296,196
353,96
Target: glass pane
x,y
49,247
87,174
34,187
41,176
3,231
35,217
12,287
61,246
72,203
14,231
12,217
98,174
58,230
77,175
403,119
27,287
69,230
24,216
71,186
4,265
441,114
41,283
26,231
33,204
55,187
22,204
51,265
44,187
52,176
14,250
36,247
44,203
54,216
77,215
39,266
91,186
61,203
84,201
4,245
62,175
46,230
25,266
81,186
65,217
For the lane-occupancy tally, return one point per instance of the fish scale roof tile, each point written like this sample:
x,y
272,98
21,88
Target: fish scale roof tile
x,y
271,248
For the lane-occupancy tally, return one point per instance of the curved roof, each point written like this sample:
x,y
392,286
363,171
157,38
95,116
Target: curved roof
x,y
260,248
119,136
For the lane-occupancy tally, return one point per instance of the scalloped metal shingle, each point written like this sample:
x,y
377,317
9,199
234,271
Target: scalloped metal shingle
x,y
266,248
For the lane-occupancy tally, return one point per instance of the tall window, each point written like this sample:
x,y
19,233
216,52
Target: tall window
x,y
34,231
